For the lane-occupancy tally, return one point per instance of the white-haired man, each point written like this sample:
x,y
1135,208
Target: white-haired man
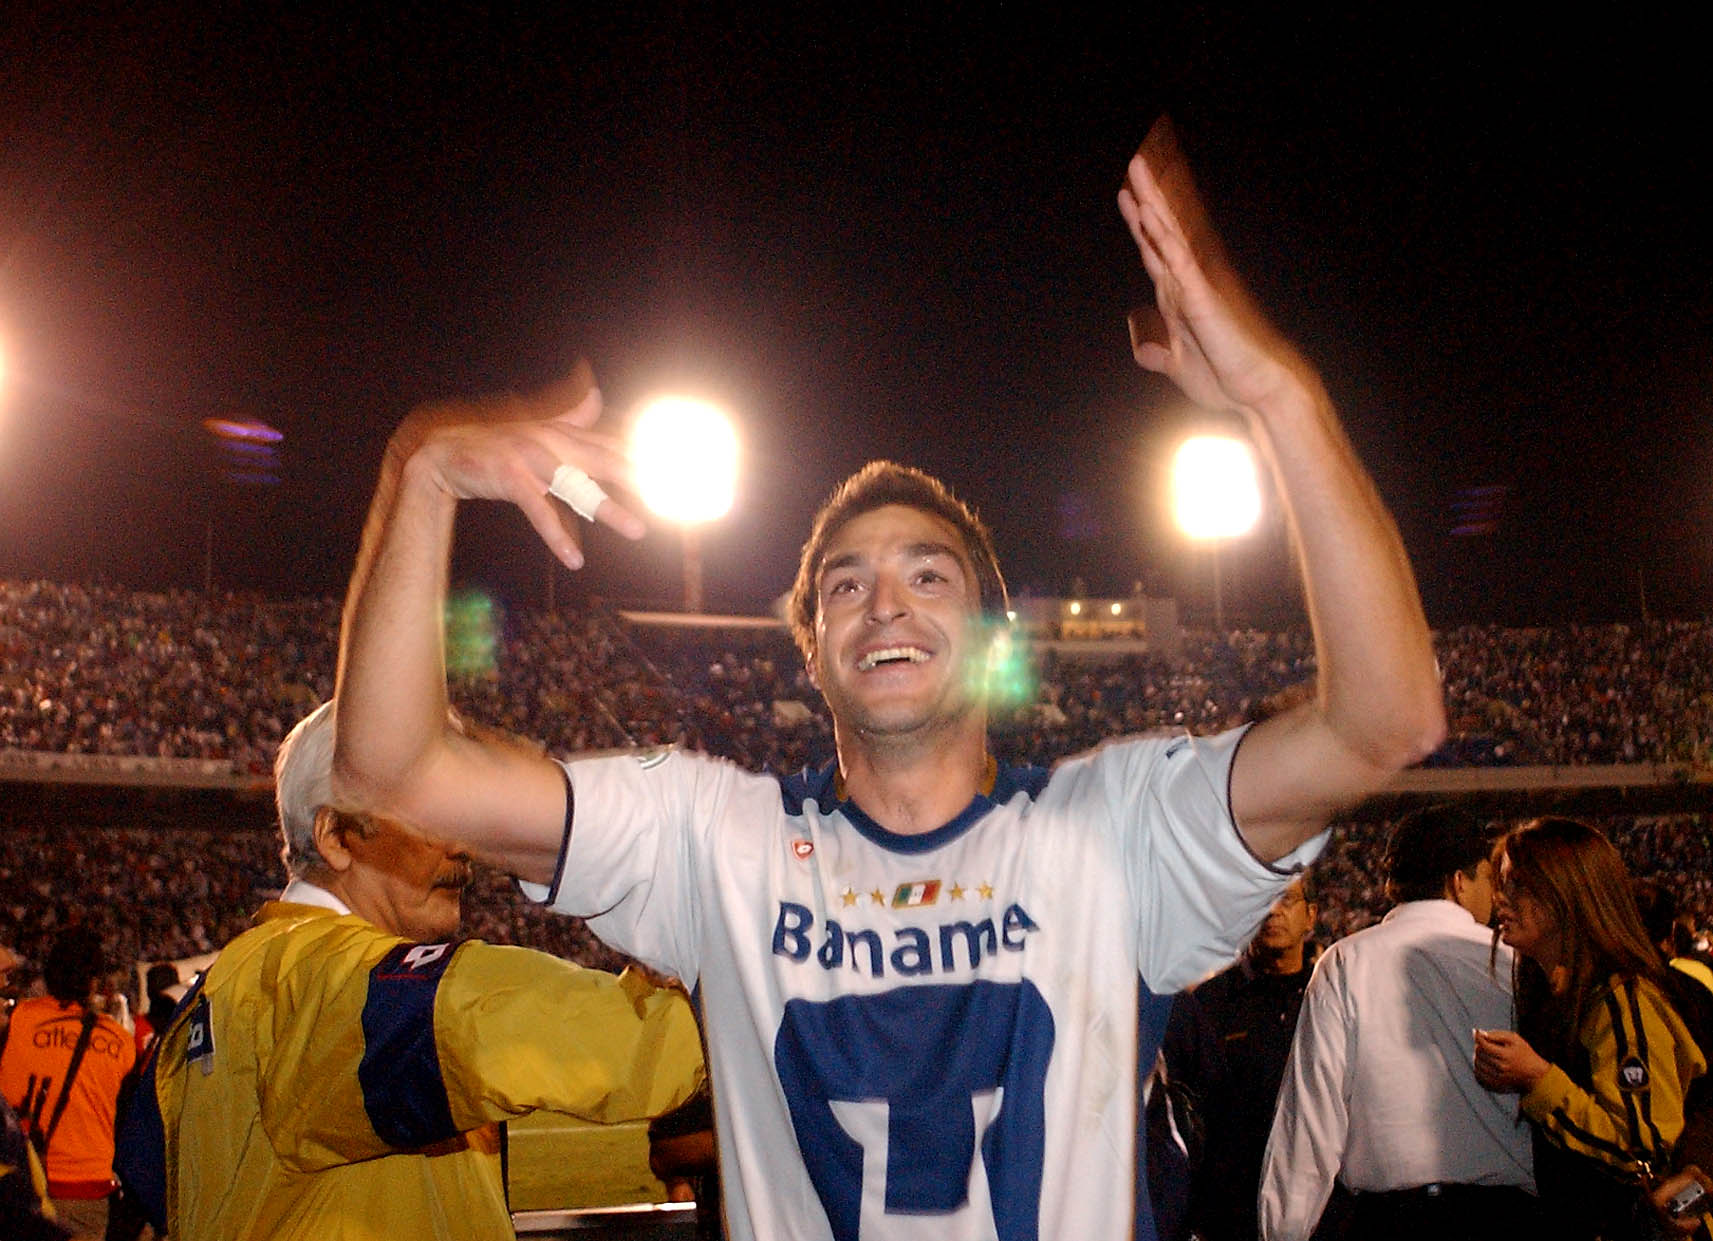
x,y
337,1070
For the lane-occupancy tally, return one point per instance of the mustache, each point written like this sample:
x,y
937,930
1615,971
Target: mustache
x,y
457,879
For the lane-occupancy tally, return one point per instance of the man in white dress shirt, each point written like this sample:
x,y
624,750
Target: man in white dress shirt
x,y
1380,1092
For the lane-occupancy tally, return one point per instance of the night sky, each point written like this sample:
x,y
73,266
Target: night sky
x,y
869,235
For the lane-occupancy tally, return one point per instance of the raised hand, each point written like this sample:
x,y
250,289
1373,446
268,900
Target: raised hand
x,y
398,754
1207,335
513,447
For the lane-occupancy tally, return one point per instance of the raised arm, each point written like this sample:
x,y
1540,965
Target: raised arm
x,y
1378,705
397,751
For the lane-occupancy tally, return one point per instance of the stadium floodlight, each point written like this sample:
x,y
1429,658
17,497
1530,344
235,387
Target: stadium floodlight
x,y
686,457
1215,491
685,452
1216,495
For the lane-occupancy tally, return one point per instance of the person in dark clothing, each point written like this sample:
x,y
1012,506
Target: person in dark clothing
x,y
1226,1044
161,981
24,1205
1671,932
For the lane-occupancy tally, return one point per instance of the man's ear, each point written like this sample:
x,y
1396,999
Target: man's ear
x,y
809,670
330,839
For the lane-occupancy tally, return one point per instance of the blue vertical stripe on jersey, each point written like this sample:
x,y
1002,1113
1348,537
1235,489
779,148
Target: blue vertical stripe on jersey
x,y
140,1145
403,1092
924,1051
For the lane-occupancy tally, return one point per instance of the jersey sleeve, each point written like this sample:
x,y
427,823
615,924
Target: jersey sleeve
x,y
635,823
515,1033
1312,1119
1642,1061
1198,890
438,1039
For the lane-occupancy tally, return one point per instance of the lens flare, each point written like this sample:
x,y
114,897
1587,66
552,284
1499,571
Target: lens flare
x,y
472,629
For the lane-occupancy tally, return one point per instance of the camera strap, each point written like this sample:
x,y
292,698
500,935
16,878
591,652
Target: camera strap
x,y
89,1020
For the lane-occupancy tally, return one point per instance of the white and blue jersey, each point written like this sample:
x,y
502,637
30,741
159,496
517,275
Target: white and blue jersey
x,y
930,1035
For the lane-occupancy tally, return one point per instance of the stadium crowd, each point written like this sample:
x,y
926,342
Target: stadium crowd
x,y
103,671
181,675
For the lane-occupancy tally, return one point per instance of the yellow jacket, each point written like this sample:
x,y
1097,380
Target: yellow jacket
x,y
1628,1108
325,1078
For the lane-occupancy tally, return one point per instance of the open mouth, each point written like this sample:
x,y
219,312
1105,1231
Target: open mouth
x,y
892,655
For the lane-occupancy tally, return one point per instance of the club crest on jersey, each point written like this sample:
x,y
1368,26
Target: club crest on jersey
x,y
914,895
802,848
1632,1075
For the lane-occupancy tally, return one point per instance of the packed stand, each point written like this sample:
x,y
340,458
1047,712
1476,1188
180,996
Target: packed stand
x,y
181,675
93,670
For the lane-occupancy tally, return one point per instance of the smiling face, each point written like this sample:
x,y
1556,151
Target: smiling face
x,y
897,620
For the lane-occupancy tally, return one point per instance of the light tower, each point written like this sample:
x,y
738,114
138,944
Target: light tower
x,y
1216,495
686,457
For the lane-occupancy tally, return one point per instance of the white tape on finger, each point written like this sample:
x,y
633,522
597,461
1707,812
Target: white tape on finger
x,y
577,489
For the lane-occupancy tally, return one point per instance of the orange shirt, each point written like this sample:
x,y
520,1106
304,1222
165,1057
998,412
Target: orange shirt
x,y
44,1034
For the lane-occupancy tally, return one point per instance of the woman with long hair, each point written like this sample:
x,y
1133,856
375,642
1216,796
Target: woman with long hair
x,y
1601,1058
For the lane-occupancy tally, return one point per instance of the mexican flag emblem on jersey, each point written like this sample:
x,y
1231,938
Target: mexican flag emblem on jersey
x,y
910,895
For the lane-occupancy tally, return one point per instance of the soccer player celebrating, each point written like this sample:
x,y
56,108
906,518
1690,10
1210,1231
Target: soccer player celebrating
x,y
918,969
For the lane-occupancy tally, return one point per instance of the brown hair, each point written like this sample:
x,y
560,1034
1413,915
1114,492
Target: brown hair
x,y
876,485
1576,875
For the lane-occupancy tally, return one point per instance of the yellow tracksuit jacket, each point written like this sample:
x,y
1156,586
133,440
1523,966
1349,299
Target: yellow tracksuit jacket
x,y
1641,1060
325,1078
